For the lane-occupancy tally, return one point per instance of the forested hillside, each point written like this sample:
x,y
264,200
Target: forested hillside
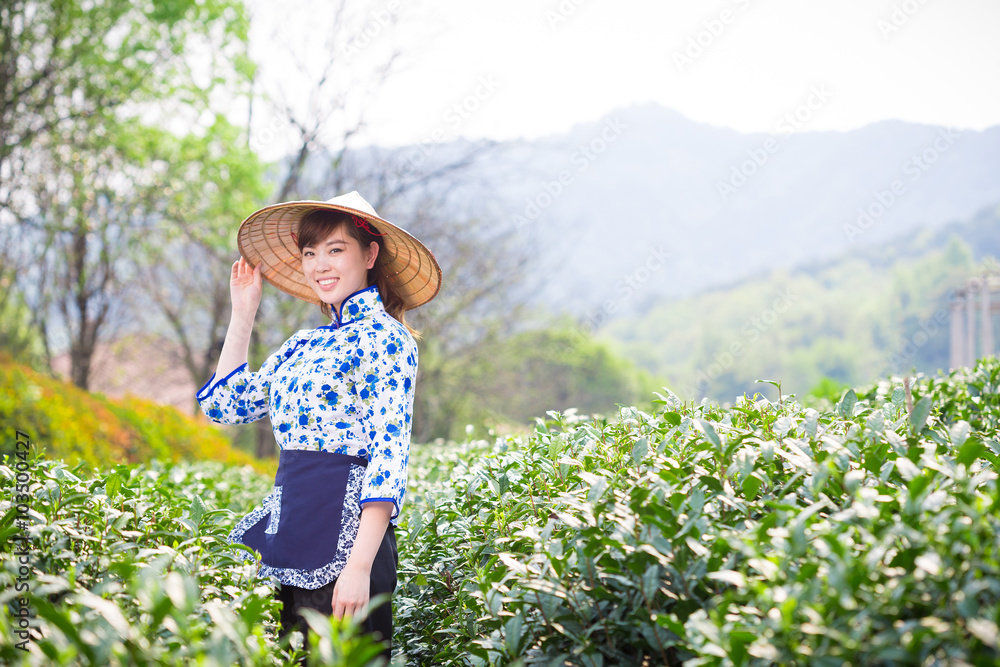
x,y
850,320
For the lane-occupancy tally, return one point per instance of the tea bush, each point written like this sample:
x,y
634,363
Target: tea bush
x,y
131,566
763,534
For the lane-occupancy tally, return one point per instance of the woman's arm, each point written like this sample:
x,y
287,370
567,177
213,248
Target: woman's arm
x,y
245,292
385,389
385,382
350,593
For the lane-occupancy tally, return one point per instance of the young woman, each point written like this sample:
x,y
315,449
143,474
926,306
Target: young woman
x,y
339,397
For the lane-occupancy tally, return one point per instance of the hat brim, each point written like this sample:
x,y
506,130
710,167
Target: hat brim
x,y
266,238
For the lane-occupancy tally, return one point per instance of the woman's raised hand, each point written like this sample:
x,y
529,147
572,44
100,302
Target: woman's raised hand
x,y
245,289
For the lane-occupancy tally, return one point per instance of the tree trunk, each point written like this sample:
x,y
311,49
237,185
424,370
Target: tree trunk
x,y
80,366
81,291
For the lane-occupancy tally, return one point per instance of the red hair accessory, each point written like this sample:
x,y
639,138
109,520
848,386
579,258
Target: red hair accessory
x,y
363,224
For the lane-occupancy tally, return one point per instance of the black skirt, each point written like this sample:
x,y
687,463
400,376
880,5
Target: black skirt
x,y
383,580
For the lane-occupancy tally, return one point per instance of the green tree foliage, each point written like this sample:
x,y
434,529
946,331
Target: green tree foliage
x,y
185,264
93,99
559,369
512,380
67,61
17,337
826,392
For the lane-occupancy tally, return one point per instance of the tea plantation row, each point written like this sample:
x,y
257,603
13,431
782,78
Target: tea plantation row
x,y
762,534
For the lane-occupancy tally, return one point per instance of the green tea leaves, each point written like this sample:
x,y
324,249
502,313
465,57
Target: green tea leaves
x,y
846,406
709,431
639,450
921,410
756,534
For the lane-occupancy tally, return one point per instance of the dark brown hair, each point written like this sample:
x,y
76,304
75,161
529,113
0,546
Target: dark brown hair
x,y
318,225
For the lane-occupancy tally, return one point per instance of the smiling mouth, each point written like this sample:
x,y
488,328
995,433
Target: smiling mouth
x,y
326,282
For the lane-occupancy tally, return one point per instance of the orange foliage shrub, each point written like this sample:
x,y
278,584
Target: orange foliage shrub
x,y
73,425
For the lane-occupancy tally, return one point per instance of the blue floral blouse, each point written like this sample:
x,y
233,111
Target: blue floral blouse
x,y
346,387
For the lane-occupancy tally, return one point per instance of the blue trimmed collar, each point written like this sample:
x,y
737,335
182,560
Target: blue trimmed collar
x,y
357,306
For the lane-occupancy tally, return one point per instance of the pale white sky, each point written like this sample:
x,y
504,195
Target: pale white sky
x,y
528,68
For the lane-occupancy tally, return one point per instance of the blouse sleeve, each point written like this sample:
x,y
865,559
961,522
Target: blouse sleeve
x,y
385,382
242,397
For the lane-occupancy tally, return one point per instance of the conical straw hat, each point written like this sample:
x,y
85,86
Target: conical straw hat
x,y
267,238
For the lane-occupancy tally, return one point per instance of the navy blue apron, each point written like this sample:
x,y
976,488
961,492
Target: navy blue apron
x,y
305,528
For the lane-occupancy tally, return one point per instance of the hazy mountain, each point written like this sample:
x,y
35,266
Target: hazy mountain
x,y
611,197
646,204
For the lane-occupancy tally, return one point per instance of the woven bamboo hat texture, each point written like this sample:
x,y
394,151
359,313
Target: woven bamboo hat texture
x,y
268,238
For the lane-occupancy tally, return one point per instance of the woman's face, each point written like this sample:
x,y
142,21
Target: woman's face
x,y
337,267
